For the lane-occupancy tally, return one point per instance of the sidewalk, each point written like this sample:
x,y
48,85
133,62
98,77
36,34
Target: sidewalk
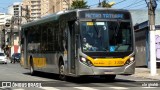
x,y
145,73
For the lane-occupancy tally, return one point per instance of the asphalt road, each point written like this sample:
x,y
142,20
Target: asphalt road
x,y
20,79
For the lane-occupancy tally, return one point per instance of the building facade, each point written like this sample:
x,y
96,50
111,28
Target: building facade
x,y
52,6
141,26
48,7
40,8
142,44
34,8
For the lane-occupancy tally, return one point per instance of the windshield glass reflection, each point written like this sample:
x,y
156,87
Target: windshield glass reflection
x,y
109,36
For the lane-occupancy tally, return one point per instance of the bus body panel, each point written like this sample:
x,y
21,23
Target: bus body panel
x,y
49,62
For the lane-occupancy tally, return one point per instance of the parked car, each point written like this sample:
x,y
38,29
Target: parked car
x,y
15,57
3,58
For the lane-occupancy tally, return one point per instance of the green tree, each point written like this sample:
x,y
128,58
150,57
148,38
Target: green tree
x,y
79,4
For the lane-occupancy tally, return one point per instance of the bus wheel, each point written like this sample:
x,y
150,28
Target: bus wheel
x,y
109,77
62,75
32,72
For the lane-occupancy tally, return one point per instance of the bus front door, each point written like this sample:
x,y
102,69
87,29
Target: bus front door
x,y
71,48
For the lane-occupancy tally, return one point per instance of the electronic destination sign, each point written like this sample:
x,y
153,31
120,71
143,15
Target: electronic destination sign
x,y
103,14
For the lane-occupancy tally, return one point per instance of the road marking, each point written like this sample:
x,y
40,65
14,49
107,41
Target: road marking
x,y
49,88
85,88
17,89
119,88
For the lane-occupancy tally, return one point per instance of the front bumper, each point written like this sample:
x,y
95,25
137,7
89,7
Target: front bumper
x,y
3,61
86,70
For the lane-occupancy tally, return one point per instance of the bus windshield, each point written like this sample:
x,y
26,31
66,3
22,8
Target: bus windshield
x,y
108,36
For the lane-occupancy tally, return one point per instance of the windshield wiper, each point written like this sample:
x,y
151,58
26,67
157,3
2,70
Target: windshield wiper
x,y
97,31
115,33
95,27
117,28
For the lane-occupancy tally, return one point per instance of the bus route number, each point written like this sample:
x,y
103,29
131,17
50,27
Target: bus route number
x,y
119,62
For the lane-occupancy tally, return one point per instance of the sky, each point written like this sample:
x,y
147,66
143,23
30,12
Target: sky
x,y
4,4
119,4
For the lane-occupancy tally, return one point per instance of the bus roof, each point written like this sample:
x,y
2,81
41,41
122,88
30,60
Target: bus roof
x,y
55,16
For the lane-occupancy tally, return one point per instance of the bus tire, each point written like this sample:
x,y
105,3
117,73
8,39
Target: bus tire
x,y
109,77
32,71
62,75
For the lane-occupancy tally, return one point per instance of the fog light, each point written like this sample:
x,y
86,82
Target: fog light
x,y
89,63
127,62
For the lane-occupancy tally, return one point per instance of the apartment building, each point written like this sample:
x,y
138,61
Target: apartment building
x,y
15,9
39,8
34,7
47,7
61,5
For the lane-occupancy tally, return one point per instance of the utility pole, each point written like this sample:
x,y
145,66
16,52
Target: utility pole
x,y
11,28
3,45
27,15
151,12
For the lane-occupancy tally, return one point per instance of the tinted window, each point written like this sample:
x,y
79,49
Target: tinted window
x,y
110,36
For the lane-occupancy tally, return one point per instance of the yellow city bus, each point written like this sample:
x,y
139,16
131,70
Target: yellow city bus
x,y
80,42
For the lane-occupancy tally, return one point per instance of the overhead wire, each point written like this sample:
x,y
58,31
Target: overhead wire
x,y
108,1
136,2
137,5
119,2
144,7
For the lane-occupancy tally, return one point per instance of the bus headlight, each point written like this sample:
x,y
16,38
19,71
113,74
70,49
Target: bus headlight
x,y
86,61
83,59
129,61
